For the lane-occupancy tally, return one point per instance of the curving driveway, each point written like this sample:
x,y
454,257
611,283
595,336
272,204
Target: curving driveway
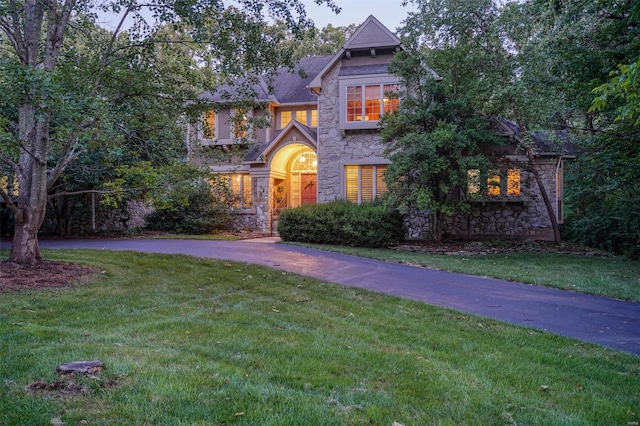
x,y
611,323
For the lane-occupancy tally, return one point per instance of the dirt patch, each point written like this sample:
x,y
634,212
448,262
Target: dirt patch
x,y
69,388
16,277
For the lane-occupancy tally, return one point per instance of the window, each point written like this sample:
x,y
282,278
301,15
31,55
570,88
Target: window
x,y
390,99
239,123
494,182
368,102
285,118
365,183
209,125
306,117
240,188
301,117
513,181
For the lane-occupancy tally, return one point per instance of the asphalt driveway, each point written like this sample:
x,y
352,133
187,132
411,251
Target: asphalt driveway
x,y
611,323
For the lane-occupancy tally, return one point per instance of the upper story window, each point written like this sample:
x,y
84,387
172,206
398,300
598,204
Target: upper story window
x,y
307,117
301,117
493,185
239,123
365,99
285,118
209,131
369,102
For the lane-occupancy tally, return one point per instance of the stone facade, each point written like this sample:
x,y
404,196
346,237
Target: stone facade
x,y
346,136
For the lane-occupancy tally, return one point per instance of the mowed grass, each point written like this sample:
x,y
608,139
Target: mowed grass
x,y
190,341
614,277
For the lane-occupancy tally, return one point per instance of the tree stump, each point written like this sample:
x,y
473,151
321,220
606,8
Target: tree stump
x,y
84,367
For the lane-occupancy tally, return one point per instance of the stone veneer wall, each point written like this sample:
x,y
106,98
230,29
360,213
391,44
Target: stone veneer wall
x,y
338,148
260,219
525,219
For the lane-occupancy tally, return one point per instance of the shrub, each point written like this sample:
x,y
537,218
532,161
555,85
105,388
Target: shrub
x,y
342,223
201,214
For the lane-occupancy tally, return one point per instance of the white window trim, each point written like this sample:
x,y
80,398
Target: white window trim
x,y
374,180
379,79
309,113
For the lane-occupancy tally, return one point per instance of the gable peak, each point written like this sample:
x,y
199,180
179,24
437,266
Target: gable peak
x,y
371,34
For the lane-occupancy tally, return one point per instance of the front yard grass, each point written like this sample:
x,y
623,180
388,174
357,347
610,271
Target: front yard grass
x,y
190,341
614,277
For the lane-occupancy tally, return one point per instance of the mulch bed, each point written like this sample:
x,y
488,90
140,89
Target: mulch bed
x,y
17,277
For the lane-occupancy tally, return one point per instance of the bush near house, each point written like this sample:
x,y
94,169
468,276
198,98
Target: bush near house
x,y
370,224
200,214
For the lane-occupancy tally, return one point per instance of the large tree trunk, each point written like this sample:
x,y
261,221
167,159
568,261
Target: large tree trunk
x,y
24,248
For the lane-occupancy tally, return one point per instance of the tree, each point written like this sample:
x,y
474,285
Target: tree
x,y
57,107
479,48
433,140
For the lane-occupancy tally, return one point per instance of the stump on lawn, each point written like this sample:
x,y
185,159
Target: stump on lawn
x,y
84,367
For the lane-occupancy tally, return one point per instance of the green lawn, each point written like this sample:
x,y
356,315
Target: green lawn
x,y
614,277
191,341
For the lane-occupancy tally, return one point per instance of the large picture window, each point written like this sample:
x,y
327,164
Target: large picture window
x,y
368,102
365,183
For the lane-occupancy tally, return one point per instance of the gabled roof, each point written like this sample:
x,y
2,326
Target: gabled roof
x,y
309,133
547,142
288,86
370,35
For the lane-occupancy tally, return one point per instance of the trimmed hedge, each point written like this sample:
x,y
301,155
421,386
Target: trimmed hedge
x,y
342,223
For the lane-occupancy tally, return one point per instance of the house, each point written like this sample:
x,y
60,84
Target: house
x,y
322,143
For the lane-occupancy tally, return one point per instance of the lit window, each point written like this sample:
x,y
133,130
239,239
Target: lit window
x,y
391,100
314,118
354,103
493,182
364,183
494,186
239,123
368,102
240,186
372,103
209,124
473,183
513,181
285,118
301,117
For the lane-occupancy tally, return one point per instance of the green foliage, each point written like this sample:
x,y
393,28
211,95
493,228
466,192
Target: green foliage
x,y
190,341
199,212
624,85
341,222
433,139
603,194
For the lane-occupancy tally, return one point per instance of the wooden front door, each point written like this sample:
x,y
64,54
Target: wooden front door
x,y
308,189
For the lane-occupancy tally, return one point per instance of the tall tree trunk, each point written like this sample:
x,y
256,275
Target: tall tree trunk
x,y
545,196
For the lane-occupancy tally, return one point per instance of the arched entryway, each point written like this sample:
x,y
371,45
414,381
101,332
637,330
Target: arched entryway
x,y
294,176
